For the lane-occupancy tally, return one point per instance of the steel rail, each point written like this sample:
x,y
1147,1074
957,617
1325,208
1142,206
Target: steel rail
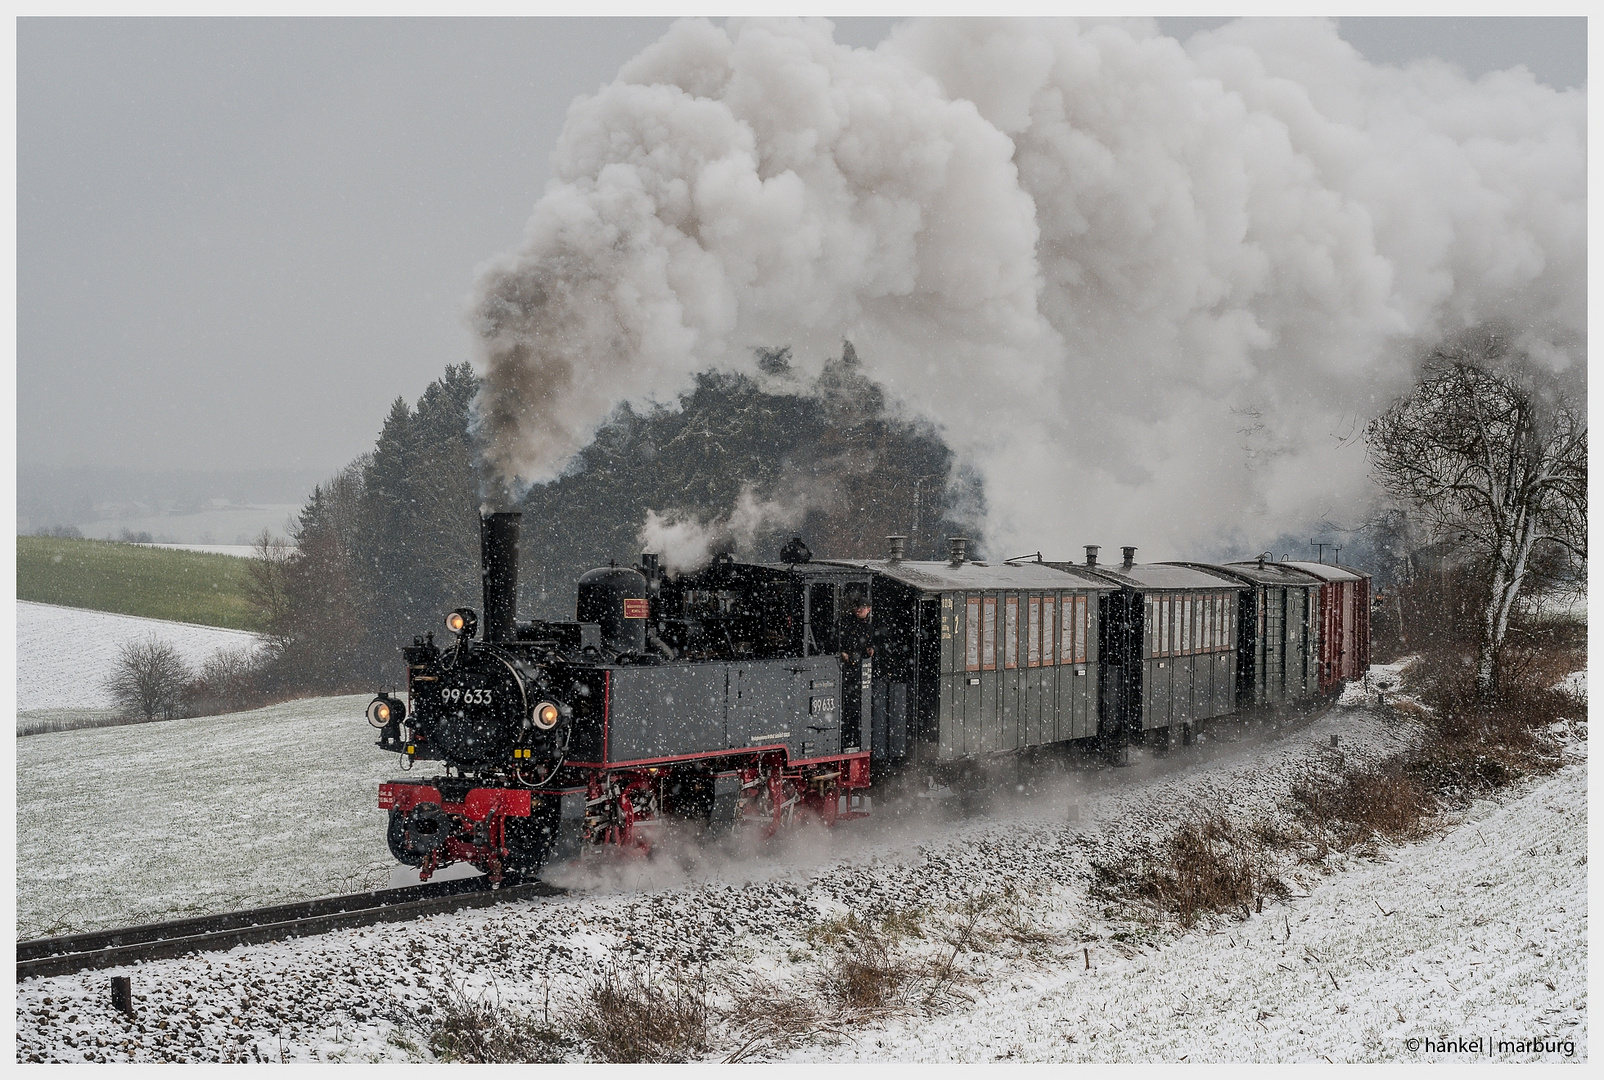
x,y
45,957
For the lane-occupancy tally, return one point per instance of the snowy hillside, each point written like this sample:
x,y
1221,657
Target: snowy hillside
x,y
1480,932
200,815
64,654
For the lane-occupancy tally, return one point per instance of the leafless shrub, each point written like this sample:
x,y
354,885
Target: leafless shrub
x,y
626,1016
149,679
1477,749
229,681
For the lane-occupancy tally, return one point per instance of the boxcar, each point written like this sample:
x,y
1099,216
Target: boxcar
x,y
1344,622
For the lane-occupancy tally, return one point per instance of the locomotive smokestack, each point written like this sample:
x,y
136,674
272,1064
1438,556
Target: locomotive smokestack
x,y
896,548
1091,554
1130,557
498,557
957,550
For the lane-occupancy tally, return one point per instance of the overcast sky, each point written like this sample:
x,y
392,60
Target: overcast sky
x,y
239,240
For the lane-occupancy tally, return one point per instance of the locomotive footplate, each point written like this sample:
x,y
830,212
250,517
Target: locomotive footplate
x,y
435,823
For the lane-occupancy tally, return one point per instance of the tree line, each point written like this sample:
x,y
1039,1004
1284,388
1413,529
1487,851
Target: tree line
x,y
383,549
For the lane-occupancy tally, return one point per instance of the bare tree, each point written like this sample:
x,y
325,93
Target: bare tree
x,y
265,583
149,679
1489,452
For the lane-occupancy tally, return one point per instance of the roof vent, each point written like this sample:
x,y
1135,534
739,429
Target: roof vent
x,y
957,550
896,548
1130,557
1091,554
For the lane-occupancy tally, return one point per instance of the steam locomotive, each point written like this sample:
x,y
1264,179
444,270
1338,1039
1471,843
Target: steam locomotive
x,y
752,695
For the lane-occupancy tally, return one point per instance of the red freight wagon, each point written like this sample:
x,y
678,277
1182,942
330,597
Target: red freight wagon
x,y
1344,621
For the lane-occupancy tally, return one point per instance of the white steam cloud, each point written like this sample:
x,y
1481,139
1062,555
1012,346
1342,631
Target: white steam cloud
x,y
687,542
1150,291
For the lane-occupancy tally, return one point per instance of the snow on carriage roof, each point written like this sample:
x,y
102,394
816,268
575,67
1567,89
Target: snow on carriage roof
x,y
1265,573
1157,576
945,577
1331,571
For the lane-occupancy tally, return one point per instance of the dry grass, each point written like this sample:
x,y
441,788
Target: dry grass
x,y
868,972
771,1018
1206,867
628,1016
1352,806
1472,748
483,1031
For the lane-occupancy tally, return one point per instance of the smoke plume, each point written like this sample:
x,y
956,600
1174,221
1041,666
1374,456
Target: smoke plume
x,y
687,542
1151,292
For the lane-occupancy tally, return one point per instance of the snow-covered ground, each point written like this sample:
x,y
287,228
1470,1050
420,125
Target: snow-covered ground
x,y
1479,932
64,654
200,815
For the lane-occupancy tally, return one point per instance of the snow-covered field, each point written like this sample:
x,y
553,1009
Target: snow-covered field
x,y
239,551
1479,932
64,654
200,815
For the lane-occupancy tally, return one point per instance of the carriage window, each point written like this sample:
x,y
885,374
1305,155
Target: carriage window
x,y
1066,632
1033,633
988,634
972,634
1049,624
1082,629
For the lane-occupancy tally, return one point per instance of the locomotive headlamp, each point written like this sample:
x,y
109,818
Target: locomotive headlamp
x,y
385,710
546,715
462,622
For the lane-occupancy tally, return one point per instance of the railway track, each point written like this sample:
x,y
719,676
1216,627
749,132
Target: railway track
x,y
112,948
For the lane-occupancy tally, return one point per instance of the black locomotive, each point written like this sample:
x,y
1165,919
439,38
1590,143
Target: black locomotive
x,y
755,694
